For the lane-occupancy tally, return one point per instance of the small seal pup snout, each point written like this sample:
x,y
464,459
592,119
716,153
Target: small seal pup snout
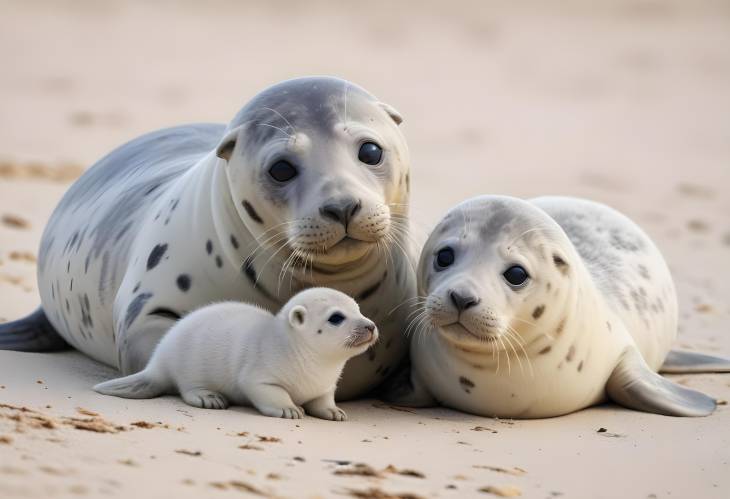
x,y
365,333
284,364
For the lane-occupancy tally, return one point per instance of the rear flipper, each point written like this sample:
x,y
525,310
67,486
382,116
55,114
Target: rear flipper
x,y
32,333
682,362
634,385
136,386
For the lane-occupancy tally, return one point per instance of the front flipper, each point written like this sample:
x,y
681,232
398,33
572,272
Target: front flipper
x,y
683,362
634,385
406,388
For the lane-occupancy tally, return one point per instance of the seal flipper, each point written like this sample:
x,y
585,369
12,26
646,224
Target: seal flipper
x,y
136,386
634,385
32,333
406,389
683,362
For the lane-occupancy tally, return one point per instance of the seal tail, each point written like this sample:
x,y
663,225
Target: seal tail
x,y
141,385
32,333
683,362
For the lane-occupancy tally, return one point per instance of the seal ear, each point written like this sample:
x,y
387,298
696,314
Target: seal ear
x,y
297,316
227,144
395,115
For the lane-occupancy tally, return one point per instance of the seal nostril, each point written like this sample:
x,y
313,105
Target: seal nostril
x,y
370,327
354,209
341,210
463,301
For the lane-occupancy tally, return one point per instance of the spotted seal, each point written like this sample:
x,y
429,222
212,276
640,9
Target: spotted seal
x,y
248,356
540,308
308,185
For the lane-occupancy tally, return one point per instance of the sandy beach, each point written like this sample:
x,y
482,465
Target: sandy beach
x,y
626,102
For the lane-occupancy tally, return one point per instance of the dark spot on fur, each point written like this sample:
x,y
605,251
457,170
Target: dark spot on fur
x,y
580,366
319,331
250,273
156,255
369,291
545,350
249,270
608,325
537,313
209,246
183,282
644,272
135,307
560,327
251,212
466,384
68,267
71,286
166,313
151,189
136,287
571,353
68,306
560,264
548,286
218,261
234,242
371,354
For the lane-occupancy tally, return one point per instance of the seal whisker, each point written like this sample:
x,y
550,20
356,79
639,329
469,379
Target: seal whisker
x,y
416,299
276,127
281,116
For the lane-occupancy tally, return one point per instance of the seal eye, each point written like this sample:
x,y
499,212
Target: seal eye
x,y
336,319
516,275
444,258
370,153
282,171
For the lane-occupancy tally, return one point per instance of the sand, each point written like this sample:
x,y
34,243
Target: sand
x,y
626,102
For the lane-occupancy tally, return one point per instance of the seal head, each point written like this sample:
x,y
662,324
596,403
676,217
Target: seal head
x,y
486,269
329,322
317,167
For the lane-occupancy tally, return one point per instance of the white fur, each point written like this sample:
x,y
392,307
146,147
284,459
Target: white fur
x,y
238,353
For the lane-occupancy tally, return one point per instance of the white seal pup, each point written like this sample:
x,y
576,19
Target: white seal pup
x,y
236,353
540,308
307,186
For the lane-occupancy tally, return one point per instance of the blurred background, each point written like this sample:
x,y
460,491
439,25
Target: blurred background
x,y
626,102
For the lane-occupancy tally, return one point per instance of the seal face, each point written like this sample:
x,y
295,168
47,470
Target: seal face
x,y
283,365
540,308
307,186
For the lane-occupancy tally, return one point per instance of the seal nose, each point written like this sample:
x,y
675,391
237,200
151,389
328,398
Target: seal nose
x,y
463,301
341,210
370,326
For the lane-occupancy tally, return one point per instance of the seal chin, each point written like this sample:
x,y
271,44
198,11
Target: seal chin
x,y
346,250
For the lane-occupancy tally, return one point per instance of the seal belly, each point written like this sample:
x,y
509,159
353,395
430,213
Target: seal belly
x,y
85,247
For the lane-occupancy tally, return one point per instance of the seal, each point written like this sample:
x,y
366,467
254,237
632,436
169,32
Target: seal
x,y
248,356
308,185
539,308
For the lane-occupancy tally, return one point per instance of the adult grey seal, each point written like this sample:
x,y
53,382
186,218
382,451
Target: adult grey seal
x,y
308,185
540,308
283,364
